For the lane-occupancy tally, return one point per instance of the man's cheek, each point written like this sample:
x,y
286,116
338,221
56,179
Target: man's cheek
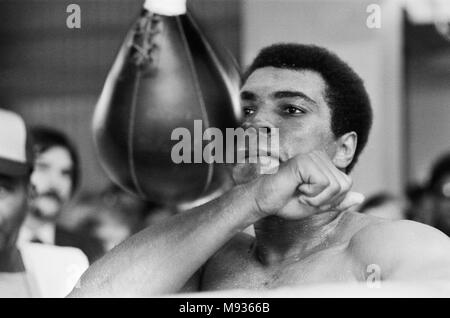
x,y
296,145
37,181
65,188
292,146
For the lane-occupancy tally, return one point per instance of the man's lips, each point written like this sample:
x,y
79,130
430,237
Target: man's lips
x,y
263,161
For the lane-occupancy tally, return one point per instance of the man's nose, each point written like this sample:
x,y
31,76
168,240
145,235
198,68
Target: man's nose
x,y
258,121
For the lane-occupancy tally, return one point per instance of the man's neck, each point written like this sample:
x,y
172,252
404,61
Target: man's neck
x,y
279,240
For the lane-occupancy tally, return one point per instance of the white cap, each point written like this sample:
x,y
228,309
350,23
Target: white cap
x,y
15,151
166,7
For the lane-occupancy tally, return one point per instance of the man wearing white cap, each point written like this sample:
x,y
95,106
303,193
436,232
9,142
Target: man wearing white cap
x,y
33,270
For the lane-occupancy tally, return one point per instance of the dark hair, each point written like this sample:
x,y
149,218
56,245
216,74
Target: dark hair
x,y
440,169
44,138
345,93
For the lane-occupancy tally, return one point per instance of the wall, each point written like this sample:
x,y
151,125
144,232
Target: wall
x,y
428,98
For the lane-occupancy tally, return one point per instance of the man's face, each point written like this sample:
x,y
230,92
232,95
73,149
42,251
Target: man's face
x,y
52,182
292,101
13,207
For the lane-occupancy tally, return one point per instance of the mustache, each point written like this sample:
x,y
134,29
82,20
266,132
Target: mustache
x,y
52,194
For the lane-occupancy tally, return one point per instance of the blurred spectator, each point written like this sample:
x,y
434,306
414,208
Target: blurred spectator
x,y
419,208
386,206
438,190
430,203
120,216
55,179
28,270
113,215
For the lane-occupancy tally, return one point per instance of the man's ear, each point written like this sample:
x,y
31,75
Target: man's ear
x,y
345,150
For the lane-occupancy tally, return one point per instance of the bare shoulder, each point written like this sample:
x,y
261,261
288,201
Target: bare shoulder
x,y
398,244
397,234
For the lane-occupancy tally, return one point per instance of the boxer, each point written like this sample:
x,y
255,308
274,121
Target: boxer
x,y
304,231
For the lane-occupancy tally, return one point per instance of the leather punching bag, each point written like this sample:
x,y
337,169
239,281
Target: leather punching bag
x,y
166,75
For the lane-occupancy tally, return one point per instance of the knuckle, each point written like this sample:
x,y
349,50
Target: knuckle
x,y
335,184
324,185
337,188
324,182
350,182
346,187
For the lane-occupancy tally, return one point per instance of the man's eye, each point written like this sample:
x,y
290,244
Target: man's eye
x,y
248,111
293,110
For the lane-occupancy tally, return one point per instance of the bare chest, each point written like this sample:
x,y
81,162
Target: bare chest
x,y
331,265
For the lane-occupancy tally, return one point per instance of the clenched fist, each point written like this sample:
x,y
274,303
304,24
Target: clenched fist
x,y
304,185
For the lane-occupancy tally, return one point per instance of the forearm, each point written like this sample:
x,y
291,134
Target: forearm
x,y
161,258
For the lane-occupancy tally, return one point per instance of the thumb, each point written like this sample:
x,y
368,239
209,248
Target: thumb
x,y
351,202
